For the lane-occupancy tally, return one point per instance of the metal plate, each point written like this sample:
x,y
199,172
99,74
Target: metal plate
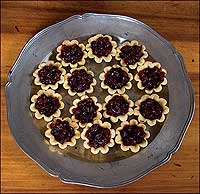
x,y
115,169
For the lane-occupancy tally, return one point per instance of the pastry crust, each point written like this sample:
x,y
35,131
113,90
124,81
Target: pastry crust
x,y
104,149
52,140
132,43
47,93
75,105
46,87
70,43
161,101
136,148
67,86
120,117
149,64
113,91
100,59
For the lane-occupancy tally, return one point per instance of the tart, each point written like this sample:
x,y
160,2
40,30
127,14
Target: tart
x,y
116,79
62,132
132,135
49,75
46,104
85,110
71,53
118,107
98,137
151,77
131,54
101,47
79,81
151,109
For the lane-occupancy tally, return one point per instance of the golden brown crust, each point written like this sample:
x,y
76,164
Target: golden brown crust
x,y
104,149
70,43
149,64
52,140
113,91
132,43
100,59
47,93
161,101
37,78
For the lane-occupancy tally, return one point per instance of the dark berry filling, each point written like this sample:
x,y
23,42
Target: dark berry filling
x,y
62,131
98,136
101,47
116,78
86,110
49,74
151,109
151,77
132,135
71,54
47,105
80,81
131,54
117,106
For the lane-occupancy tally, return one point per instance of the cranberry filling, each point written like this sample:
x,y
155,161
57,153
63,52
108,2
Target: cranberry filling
x,y
47,105
71,54
116,78
49,74
131,54
151,77
132,135
61,131
117,106
98,136
86,110
151,109
101,47
80,80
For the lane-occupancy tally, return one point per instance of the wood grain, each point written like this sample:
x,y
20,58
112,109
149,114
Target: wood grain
x,y
176,21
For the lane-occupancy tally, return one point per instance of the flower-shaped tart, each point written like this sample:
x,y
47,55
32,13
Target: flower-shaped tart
x,y
150,109
49,75
79,81
116,79
46,104
98,137
118,107
131,54
151,77
85,110
101,47
62,132
132,135
71,53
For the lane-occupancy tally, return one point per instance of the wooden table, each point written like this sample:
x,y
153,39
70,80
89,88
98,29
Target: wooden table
x,y
176,21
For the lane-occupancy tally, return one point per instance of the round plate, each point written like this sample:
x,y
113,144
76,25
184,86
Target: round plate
x,y
111,173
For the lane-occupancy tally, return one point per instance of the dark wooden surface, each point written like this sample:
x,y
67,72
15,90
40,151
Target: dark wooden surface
x,y
176,21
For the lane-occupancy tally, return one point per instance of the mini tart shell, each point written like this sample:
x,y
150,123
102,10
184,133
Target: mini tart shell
x,y
46,87
52,140
67,86
161,101
75,105
104,149
113,91
70,43
47,93
120,117
149,64
100,59
135,148
132,43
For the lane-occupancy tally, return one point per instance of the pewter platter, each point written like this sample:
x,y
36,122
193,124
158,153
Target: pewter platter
x,y
76,165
